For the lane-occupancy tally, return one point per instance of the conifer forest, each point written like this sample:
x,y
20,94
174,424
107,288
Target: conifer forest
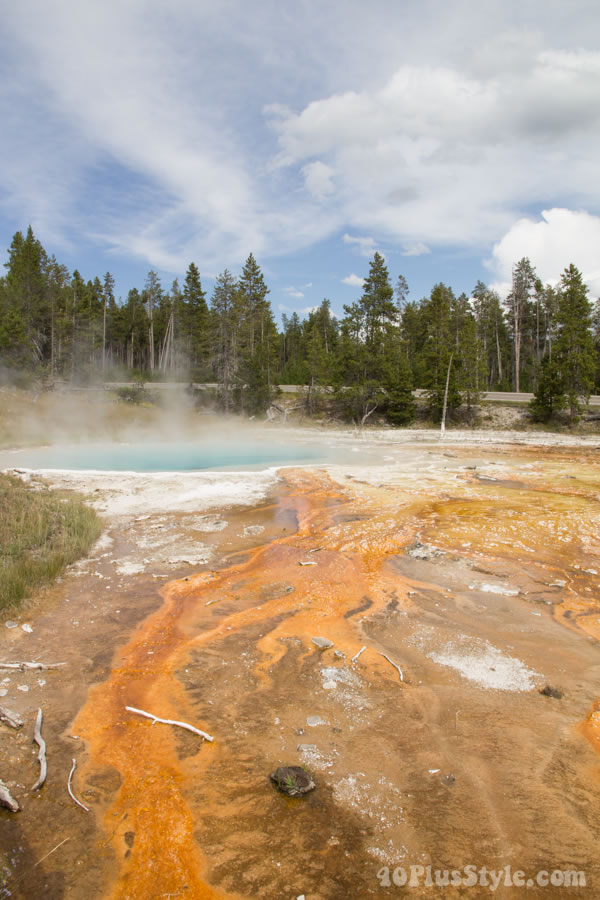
x,y
541,338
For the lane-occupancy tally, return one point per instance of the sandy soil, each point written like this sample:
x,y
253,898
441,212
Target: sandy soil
x,y
472,566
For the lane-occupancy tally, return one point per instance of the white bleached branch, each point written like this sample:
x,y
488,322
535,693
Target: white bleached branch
x,y
7,799
30,665
71,794
155,719
395,665
39,740
10,718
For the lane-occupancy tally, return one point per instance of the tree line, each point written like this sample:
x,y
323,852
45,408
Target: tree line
x,y
541,338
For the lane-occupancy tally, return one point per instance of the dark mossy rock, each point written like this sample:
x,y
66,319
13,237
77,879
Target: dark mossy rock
x,y
292,780
550,691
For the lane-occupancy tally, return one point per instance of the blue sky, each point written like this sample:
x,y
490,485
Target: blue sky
x,y
453,138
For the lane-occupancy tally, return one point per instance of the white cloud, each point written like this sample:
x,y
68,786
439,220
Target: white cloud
x,y
560,237
293,292
366,245
318,180
353,280
415,248
439,155
304,310
143,132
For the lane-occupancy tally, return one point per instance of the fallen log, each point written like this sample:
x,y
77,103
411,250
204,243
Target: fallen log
x,y
395,665
71,794
22,666
39,740
10,718
155,719
7,799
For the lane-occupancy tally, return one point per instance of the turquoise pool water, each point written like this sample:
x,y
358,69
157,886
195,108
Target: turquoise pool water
x,y
180,456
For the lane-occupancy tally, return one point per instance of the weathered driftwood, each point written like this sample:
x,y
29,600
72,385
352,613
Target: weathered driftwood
x,y
30,665
10,718
395,665
155,719
39,740
71,794
356,655
7,799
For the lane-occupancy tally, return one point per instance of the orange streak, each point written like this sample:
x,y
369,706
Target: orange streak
x,y
156,795
153,801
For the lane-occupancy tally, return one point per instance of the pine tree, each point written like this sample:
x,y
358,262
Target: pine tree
x,y
195,326
108,302
257,339
26,293
292,357
596,336
438,348
524,281
400,407
471,370
376,304
574,345
225,322
549,396
152,297
493,335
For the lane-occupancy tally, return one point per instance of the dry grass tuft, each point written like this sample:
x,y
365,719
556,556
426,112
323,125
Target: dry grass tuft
x,y
41,532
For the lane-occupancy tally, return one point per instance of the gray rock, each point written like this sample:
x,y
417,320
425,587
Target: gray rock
x,y
322,643
310,748
313,721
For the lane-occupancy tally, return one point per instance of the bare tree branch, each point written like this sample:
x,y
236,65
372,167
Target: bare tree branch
x,y
39,740
140,712
71,794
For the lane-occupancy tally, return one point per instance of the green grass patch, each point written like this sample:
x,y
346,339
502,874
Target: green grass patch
x,y
41,532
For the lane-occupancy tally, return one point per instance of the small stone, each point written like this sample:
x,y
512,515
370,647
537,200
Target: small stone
x,y
27,628
449,779
313,721
11,624
329,685
292,780
340,654
22,687
308,748
550,691
322,643
3,692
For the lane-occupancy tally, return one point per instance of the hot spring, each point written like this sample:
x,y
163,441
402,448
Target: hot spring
x,y
175,455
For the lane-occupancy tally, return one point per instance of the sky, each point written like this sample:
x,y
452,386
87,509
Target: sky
x,y
453,138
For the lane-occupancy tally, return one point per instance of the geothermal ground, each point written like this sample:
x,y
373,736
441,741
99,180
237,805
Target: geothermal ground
x,y
454,580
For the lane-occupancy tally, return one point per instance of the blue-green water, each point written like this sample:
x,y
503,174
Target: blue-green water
x,y
179,456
